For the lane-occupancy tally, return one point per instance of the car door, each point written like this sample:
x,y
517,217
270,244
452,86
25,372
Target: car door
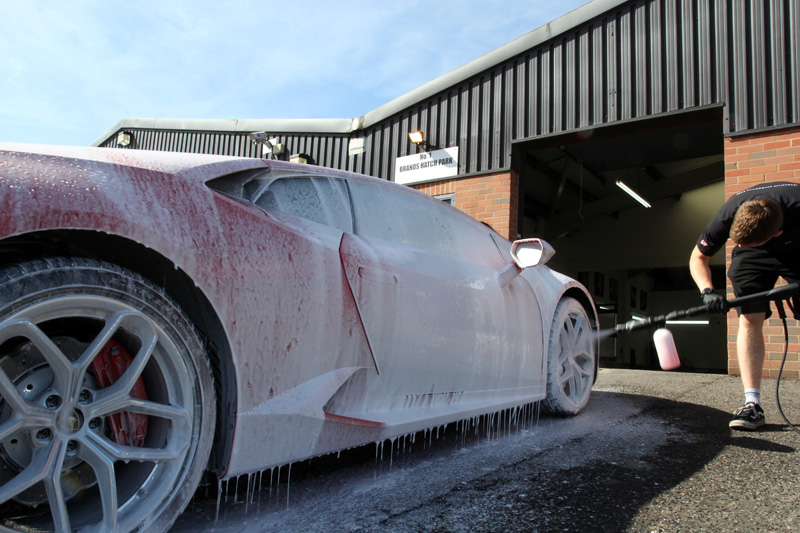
x,y
316,326
438,323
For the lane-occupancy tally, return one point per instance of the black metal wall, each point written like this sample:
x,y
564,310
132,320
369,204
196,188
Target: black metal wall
x,y
639,59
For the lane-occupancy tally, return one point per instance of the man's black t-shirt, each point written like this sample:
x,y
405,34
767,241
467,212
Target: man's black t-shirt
x,y
786,194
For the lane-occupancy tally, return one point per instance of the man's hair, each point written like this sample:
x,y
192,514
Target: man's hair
x,y
756,221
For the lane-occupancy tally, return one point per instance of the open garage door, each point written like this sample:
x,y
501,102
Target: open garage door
x,y
633,258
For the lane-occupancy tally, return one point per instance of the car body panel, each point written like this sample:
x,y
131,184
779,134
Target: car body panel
x,y
328,330
443,306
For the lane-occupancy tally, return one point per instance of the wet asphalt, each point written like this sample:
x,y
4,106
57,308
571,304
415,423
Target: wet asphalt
x,y
709,477
651,452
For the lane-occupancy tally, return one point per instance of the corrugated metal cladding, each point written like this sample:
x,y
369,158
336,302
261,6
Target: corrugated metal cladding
x,y
643,58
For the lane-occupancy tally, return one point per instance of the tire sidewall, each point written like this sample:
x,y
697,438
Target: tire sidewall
x,y
29,284
557,401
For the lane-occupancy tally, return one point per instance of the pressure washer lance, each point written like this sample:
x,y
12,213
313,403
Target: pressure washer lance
x,y
665,343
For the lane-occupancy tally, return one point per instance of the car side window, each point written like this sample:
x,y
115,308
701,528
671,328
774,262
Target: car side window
x,y
405,219
319,199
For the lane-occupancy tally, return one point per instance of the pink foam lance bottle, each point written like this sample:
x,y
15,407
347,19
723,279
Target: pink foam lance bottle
x,y
666,349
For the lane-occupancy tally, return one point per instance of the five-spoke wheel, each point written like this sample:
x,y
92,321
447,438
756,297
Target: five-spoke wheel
x,y
572,354
106,415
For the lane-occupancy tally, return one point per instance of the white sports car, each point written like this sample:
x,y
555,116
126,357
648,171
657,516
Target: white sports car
x,y
162,315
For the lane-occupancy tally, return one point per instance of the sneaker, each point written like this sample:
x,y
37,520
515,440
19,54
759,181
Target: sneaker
x,y
749,417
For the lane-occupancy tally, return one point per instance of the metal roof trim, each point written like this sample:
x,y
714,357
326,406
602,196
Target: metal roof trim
x,y
295,125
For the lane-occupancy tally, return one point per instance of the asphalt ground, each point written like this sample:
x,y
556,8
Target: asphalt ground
x,y
710,477
651,452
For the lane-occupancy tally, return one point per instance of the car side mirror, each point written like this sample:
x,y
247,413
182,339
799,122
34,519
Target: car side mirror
x,y
531,252
526,253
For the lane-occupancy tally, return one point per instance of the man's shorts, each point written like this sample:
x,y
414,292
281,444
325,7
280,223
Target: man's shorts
x,y
753,270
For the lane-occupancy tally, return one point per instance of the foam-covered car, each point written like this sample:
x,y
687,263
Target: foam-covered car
x,y
165,315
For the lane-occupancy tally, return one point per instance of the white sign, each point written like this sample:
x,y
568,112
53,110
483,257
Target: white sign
x,y
426,166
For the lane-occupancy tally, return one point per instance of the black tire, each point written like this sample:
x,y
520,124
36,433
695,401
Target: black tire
x,y
571,359
101,450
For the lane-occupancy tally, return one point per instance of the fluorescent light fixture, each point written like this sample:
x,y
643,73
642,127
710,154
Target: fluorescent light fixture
x,y
633,194
687,322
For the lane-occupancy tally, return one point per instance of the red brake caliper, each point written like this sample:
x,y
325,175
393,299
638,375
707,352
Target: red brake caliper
x,y
108,366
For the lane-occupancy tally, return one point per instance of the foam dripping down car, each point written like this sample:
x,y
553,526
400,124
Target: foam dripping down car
x,y
167,315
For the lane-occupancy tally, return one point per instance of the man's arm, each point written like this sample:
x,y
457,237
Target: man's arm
x,y
701,272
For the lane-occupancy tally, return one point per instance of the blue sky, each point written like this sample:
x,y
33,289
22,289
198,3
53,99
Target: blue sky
x,y
71,70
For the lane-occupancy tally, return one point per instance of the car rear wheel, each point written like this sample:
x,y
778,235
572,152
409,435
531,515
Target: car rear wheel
x,y
571,359
107,408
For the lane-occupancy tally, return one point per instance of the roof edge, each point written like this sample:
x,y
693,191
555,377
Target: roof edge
x,y
298,125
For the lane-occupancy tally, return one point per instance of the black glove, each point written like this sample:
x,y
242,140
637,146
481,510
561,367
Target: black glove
x,y
715,304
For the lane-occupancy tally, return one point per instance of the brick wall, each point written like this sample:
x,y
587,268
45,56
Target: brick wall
x,y
749,161
491,198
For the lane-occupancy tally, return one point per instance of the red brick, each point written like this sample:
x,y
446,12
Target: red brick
x,y
782,176
748,149
778,144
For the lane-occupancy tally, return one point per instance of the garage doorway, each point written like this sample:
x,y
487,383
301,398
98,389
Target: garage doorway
x,y
634,259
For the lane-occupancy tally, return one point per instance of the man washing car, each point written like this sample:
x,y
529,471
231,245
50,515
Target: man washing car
x,y
764,223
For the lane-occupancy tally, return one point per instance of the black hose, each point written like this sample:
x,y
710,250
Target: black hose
x,y
782,315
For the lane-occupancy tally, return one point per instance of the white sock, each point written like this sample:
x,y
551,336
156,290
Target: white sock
x,y
752,395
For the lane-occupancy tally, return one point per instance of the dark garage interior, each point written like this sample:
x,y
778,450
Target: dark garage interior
x,y
634,259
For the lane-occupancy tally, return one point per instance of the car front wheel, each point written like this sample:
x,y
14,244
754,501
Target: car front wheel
x,y
571,359
107,408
